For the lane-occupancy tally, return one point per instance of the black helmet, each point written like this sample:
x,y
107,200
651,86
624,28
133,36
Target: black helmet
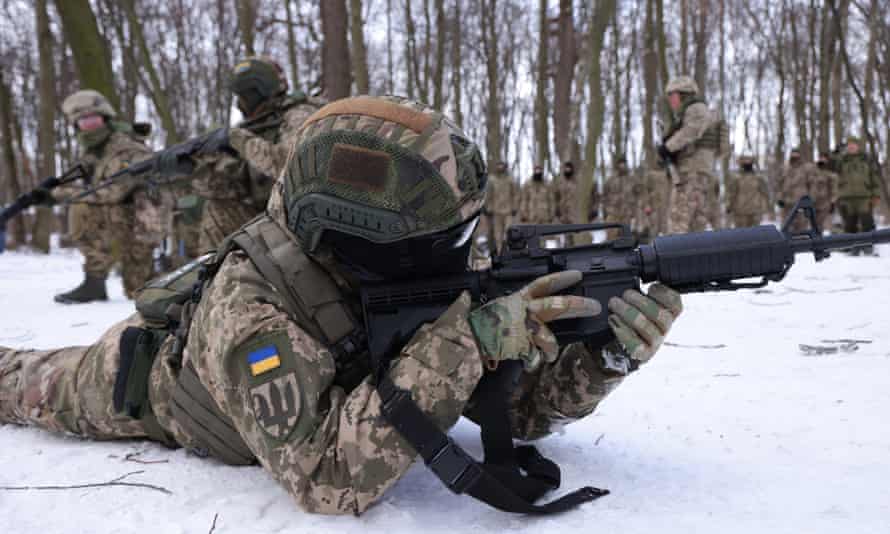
x,y
255,80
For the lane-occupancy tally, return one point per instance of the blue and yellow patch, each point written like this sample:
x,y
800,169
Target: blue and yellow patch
x,y
263,359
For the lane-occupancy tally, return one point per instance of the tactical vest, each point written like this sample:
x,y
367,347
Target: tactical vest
x,y
310,296
854,177
715,137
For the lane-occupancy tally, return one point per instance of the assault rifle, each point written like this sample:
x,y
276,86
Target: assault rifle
x,y
37,196
722,260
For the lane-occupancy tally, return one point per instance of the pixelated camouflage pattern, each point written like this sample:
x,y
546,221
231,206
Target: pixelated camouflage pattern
x,y
619,202
85,102
566,199
220,218
344,455
537,203
747,197
658,194
128,213
797,181
515,326
458,193
682,84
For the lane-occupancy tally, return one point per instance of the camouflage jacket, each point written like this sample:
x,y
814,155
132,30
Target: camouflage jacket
x,y
537,203
797,181
691,123
117,153
262,146
566,200
618,198
747,193
503,195
857,177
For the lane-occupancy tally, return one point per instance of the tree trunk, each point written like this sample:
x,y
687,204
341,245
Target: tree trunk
x,y
827,58
46,154
562,84
542,108
335,71
390,75
439,72
247,14
702,36
292,46
456,65
92,57
837,79
599,19
684,37
158,92
488,20
650,83
15,228
359,51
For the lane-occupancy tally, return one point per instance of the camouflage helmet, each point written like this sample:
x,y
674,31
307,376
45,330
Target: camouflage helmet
x,y
255,80
854,139
682,84
86,102
383,169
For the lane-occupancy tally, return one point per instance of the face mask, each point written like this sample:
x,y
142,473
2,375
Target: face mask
x,y
538,176
93,138
748,167
568,173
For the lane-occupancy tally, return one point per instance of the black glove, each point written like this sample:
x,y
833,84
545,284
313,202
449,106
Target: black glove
x,y
217,141
42,197
664,154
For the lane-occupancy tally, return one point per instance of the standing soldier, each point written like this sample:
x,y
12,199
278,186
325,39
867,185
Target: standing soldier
x,y
857,190
567,198
500,205
657,198
824,191
691,144
536,200
797,181
127,212
747,194
617,201
236,188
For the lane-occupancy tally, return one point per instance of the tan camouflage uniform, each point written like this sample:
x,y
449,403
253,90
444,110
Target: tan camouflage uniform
x,y
798,180
620,200
537,203
135,219
747,198
694,165
334,453
657,197
501,205
824,190
233,187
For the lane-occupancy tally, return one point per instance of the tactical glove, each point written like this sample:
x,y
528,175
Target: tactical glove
x,y
640,322
515,326
217,141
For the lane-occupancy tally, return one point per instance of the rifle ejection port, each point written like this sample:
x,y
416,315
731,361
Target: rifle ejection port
x,y
597,264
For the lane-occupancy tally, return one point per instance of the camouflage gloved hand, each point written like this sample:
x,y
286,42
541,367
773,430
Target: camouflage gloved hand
x,y
640,322
515,326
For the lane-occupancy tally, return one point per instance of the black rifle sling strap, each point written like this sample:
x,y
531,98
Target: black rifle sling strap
x,y
497,481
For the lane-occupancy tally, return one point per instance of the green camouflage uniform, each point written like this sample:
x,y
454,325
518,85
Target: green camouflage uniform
x,y
694,164
537,203
747,198
857,186
329,447
236,189
501,205
134,217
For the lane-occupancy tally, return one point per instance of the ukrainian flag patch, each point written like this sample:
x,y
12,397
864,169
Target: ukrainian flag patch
x,y
263,359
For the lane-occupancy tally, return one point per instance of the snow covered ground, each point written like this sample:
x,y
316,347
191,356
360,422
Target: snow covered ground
x,y
731,429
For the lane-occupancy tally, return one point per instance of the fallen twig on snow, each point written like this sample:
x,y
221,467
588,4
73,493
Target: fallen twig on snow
x,y
728,375
133,457
213,526
846,341
115,482
682,346
600,438
823,291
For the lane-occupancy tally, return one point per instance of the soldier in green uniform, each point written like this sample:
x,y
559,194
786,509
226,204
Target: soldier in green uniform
x,y
274,369
857,189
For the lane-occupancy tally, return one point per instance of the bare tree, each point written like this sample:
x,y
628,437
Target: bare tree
x,y
92,57
336,78
359,52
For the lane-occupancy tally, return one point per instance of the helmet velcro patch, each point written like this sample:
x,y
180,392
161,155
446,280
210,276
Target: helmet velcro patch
x,y
359,167
414,120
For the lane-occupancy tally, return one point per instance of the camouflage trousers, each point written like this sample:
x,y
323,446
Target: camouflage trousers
x,y
219,219
70,390
689,199
137,228
497,227
857,214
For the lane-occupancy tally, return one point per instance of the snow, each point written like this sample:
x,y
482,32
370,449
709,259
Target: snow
x,y
753,437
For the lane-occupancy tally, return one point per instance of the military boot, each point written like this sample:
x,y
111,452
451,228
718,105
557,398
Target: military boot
x,y
92,288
